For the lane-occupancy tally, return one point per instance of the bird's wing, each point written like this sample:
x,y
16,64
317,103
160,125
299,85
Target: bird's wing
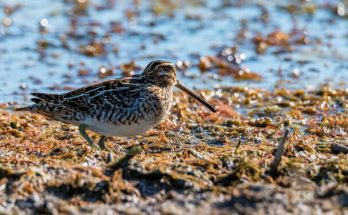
x,y
116,93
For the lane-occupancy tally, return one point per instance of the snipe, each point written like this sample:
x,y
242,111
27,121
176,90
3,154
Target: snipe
x,y
120,107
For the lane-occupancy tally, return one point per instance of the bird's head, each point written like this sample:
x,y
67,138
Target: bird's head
x,y
163,74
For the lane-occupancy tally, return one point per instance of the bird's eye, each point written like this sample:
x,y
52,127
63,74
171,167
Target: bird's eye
x,y
166,68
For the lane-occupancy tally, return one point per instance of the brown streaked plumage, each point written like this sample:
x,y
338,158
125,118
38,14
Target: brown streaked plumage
x,y
119,107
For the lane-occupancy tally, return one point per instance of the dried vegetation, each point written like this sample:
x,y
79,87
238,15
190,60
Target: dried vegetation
x,y
191,162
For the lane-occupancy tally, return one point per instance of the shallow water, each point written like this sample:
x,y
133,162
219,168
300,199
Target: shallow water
x,y
34,58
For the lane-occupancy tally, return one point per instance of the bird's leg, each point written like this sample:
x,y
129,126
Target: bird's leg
x,y
101,142
82,129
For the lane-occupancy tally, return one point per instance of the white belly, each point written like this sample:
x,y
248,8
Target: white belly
x,y
121,130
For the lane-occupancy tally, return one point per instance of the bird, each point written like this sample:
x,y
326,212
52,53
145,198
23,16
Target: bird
x,y
123,107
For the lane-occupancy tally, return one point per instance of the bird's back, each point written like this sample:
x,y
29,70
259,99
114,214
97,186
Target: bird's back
x,y
120,102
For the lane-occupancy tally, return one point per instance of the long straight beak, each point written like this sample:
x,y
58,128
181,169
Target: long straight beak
x,y
192,93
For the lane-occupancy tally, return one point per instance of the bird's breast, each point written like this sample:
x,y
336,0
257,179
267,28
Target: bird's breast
x,y
141,116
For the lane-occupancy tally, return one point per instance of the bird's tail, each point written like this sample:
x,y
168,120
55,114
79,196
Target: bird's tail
x,y
28,108
41,100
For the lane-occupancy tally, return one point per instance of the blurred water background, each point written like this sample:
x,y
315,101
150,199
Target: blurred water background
x,y
54,46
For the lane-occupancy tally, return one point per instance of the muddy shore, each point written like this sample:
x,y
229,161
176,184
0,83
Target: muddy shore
x,y
194,162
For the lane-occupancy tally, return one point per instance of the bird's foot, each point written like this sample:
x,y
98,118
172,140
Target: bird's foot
x,y
102,146
101,142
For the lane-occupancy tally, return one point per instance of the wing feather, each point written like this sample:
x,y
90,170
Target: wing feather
x,y
118,93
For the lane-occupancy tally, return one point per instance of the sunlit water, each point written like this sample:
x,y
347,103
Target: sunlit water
x,y
146,36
